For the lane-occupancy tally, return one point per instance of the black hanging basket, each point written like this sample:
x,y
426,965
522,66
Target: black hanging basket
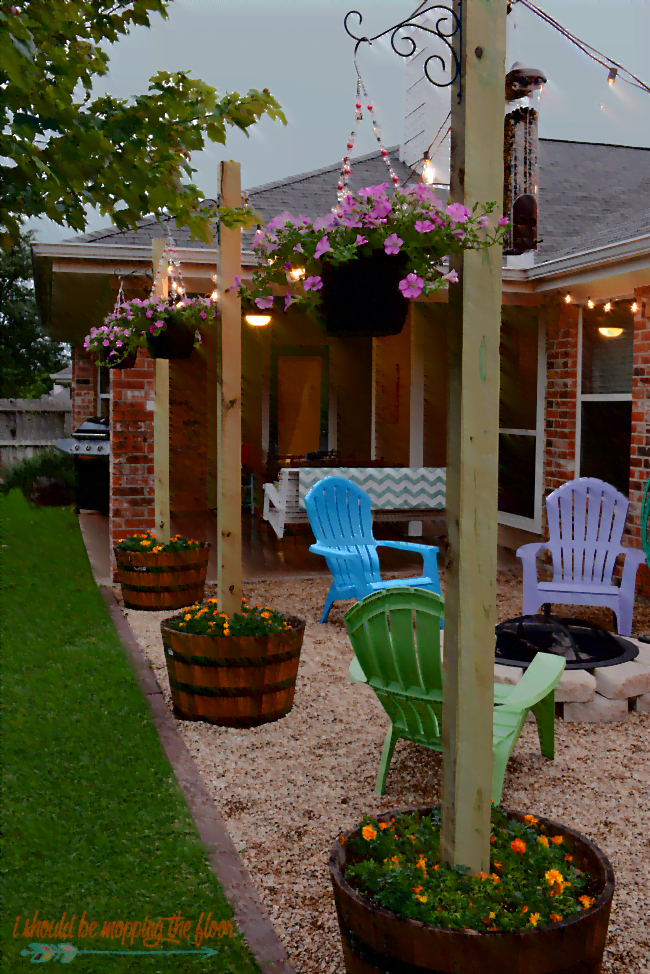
x,y
176,341
362,298
128,362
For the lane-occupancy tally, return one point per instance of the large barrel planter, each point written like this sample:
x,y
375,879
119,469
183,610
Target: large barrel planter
x,y
234,681
167,580
377,941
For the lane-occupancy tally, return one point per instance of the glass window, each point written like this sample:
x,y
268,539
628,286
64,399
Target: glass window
x,y
607,361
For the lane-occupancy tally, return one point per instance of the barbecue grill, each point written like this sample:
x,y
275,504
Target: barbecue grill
x,y
583,645
90,446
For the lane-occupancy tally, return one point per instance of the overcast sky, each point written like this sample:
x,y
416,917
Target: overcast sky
x,y
299,50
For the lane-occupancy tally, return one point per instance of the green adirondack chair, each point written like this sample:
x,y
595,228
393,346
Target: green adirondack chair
x,y
395,635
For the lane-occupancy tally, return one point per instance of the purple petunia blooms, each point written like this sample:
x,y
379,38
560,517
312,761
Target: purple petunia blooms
x,y
322,247
424,226
392,244
288,298
264,303
149,313
360,240
203,315
411,286
374,192
458,213
459,234
503,221
452,277
325,222
381,208
313,283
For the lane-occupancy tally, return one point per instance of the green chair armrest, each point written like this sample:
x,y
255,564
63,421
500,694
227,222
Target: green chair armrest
x,y
542,676
355,673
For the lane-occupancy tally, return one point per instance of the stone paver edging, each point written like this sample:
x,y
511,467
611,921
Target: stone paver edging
x,y
238,888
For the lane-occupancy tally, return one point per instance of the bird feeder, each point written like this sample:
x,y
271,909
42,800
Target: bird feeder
x,y
523,93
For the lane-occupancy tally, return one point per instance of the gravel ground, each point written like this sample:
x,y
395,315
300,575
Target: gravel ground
x,y
287,789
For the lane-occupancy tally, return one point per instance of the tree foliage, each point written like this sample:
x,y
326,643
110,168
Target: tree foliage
x,y
27,356
64,150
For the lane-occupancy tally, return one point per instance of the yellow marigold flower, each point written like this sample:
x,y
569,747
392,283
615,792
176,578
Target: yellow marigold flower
x,y
265,615
555,917
495,879
156,549
543,841
553,876
368,832
187,616
422,864
534,919
530,819
518,846
491,916
586,901
418,895
146,542
557,839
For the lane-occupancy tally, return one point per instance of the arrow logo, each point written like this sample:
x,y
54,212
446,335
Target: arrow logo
x,y
66,953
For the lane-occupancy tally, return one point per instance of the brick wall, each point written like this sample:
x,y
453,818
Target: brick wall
x,y
561,396
640,448
132,472
188,446
84,387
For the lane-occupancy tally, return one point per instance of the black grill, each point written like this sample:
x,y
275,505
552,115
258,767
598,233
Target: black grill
x,y
90,446
583,645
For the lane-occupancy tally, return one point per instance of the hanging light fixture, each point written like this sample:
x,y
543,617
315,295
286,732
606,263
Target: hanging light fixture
x,y
611,77
428,170
257,321
610,332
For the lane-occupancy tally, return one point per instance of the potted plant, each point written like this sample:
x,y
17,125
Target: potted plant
x,y
157,576
236,671
543,907
114,344
356,268
169,326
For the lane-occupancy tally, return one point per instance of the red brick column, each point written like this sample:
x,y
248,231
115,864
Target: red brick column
x,y
640,446
84,387
561,397
132,471
188,446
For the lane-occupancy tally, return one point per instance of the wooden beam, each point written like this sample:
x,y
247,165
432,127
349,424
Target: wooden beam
x,y
161,415
472,446
229,453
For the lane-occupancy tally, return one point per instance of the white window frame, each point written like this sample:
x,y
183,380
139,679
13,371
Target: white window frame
x,y
102,395
533,524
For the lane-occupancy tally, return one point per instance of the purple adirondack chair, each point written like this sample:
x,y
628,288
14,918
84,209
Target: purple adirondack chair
x,y
585,518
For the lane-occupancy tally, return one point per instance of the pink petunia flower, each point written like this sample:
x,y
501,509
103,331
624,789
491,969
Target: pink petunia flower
x,y
458,213
452,277
424,226
203,315
360,240
392,244
325,222
149,313
503,221
322,247
382,208
459,235
483,221
264,303
374,192
313,283
288,298
280,220
236,281
160,323
106,342
411,286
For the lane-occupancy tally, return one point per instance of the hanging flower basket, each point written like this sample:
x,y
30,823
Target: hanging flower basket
x,y
543,908
113,345
175,341
362,298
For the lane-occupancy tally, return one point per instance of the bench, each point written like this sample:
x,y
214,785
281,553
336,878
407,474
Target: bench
x,y
396,493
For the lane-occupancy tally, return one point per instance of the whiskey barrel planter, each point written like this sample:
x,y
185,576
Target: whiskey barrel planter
x,y
234,681
378,941
167,580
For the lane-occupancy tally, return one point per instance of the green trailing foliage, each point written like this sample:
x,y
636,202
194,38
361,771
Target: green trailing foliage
x,y
65,150
27,356
533,880
93,822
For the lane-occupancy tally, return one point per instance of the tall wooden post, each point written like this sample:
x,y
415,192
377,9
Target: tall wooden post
x,y
472,451
161,414
229,447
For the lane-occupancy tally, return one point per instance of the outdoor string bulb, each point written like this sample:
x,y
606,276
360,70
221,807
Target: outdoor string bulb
x,y
608,306
567,298
590,303
428,171
611,77
296,273
635,308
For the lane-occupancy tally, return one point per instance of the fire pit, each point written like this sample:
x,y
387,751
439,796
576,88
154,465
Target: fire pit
x,y
583,645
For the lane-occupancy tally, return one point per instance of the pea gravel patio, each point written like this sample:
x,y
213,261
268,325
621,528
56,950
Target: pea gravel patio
x,y
287,789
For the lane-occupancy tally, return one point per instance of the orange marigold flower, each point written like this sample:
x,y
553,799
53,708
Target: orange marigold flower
x,y
543,841
495,879
557,839
518,846
555,917
384,825
146,542
530,820
156,549
553,876
498,865
534,919
524,909
422,864
342,840
568,858
482,876
187,616
368,832
395,859
265,615
586,901
493,839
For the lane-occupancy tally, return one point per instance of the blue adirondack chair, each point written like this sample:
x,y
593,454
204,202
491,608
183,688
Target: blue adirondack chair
x,y
339,515
585,518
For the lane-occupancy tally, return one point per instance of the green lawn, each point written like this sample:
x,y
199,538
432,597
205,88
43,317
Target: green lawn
x,y
95,825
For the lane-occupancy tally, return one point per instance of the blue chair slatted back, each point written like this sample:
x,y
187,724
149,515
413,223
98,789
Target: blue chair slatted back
x,y
340,517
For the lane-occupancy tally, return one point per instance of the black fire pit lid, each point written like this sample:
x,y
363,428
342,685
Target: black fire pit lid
x,y
583,645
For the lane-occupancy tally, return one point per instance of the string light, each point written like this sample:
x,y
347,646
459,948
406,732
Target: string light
x,y
635,308
611,77
258,321
567,298
590,303
428,171
608,306
296,273
215,295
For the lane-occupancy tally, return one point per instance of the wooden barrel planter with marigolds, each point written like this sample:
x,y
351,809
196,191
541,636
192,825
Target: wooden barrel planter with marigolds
x,y
543,909
156,576
238,671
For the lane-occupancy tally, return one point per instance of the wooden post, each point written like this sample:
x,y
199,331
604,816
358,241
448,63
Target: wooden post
x,y
229,451
472,446
161,415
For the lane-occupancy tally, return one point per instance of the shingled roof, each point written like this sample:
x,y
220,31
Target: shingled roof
x,y
590,194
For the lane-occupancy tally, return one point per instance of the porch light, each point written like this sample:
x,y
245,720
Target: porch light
x,y
428,170
590,304
635,308
611,332
257,321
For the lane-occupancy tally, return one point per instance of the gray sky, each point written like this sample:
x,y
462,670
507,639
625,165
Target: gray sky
x,y
299,50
